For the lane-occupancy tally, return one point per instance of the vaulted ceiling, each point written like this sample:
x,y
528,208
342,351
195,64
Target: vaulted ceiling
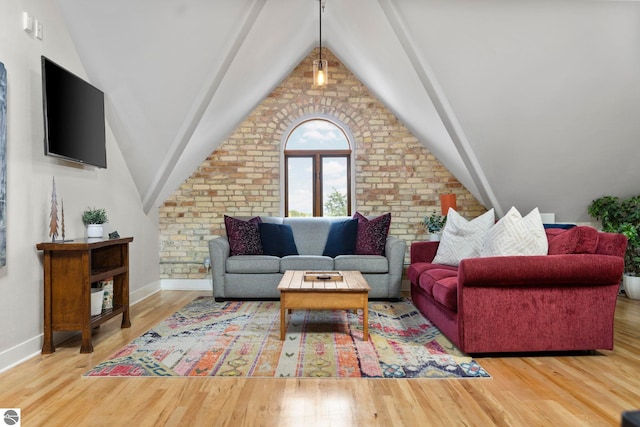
x,y
528,103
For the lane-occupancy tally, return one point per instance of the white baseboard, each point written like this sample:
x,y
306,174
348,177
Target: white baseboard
x,y
32,347
186,285
145,292
19,353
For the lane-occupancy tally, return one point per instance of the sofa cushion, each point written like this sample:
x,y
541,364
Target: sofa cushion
x,y
516,235
310,233
362,263
415,270
578,240
429,278
277,239
445,291
372,234
253,264
244,237
342,238
306,262
553,232
462,238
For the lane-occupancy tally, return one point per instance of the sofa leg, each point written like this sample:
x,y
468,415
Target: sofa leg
x,y
218,299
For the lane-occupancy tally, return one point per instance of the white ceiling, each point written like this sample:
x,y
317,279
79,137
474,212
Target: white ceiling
x,y
528,103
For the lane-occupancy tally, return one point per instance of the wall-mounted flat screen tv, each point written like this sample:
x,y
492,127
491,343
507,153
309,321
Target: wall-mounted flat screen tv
x,y
74,122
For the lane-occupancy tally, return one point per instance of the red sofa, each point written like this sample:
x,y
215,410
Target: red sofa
x,y
558,302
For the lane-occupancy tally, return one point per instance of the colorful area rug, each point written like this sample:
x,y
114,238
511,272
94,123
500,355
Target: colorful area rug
x,y
242,339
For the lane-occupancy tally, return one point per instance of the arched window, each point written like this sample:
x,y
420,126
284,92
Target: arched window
x,y
317,170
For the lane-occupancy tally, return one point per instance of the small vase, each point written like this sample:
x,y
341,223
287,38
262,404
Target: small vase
x,y
434,237
94,230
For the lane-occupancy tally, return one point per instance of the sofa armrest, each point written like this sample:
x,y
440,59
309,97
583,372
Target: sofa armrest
x,y
611,244
219,251
423,251
545,270
394,251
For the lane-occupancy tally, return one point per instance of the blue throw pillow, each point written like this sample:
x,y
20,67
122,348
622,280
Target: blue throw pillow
x,y
342,238
563,226
277,239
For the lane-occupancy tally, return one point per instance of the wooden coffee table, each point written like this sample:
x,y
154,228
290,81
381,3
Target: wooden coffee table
x,y
350,292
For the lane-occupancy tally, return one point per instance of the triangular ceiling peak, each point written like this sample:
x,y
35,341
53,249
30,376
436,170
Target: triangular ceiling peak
x,y
539,91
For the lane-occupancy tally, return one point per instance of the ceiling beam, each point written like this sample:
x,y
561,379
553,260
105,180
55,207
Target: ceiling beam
x,y
198,109
441,104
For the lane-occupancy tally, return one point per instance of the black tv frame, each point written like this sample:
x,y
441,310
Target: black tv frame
x,y
74,118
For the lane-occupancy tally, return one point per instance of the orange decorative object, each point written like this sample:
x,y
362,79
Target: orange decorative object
x,y
448,201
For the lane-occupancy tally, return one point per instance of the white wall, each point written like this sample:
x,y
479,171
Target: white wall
x,y
30,174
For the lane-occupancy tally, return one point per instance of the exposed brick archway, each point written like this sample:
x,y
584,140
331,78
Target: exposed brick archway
x,y
393,171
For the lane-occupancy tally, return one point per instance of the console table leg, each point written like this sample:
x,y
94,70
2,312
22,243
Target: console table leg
x,y
126,321
86,346
47,343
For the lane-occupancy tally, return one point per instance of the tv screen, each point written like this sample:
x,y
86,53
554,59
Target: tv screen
x,y
74,126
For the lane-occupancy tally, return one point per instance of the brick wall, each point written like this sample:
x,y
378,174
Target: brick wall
x,y
394,171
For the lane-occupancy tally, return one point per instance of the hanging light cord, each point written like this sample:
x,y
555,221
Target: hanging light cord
x,y
320,15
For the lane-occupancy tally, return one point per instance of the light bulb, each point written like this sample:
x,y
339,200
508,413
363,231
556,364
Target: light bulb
x,y
321,80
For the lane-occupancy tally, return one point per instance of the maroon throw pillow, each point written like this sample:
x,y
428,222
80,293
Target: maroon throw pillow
x,y
372,234
244,236
577,240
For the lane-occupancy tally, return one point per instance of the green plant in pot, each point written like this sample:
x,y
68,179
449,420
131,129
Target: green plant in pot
x,y
94,219
433,224
622,216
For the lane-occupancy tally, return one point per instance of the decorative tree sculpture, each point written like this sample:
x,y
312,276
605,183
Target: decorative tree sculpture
x,y
62,217
53,223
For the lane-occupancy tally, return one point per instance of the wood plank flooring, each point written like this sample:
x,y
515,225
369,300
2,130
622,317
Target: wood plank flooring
x,y
558,390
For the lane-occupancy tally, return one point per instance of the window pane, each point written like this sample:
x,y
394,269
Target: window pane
x,y
317,135
334,186
300,186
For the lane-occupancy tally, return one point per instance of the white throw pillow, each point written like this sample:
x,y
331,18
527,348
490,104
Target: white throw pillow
x,y
461,238
515,235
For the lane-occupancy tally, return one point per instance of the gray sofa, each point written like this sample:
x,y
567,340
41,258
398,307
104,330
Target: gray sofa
x,y
257,276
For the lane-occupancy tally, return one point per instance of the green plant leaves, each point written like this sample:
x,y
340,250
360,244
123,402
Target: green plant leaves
x,y
94,216
621,216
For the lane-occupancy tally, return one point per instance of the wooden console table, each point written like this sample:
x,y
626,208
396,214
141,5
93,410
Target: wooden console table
x,y
69,270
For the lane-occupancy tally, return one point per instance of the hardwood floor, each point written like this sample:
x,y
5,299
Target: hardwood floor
x,y
559,390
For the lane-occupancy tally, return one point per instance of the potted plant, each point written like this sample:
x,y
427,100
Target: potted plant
x,y
94,219
623,216
433,224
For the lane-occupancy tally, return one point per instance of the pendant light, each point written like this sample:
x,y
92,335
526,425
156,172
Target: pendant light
x,y
320,68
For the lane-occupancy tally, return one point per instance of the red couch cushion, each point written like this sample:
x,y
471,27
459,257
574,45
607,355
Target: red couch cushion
x,y
415,270
445,291
430,277
577,240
